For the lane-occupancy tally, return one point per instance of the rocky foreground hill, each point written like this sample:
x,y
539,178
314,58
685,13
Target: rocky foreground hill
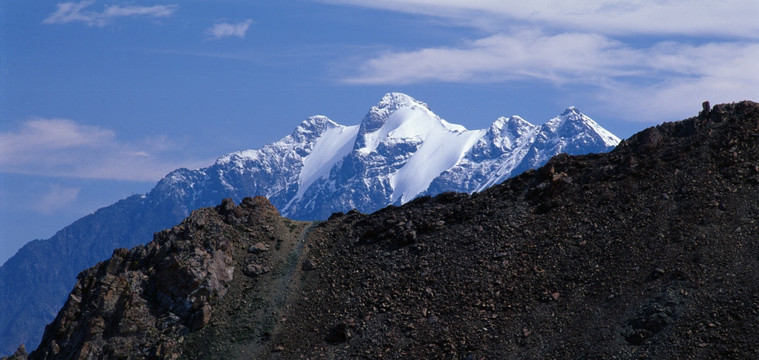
x,y
650,251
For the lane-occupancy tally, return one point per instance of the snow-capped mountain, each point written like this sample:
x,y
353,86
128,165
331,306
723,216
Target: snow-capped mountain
x,y
513,145
400,150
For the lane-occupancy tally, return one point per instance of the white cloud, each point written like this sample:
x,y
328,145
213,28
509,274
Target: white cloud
x,y
579,57
639,59
717,72
615,17
59,147
524,55
52,134
56,198
76,12
222,30
667,77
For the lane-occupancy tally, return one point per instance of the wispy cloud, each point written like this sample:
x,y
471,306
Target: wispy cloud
x,y
77,12
51,135
222,30
523,55
664,54
56,198
575,57
611,17
665,76
689,74
60,147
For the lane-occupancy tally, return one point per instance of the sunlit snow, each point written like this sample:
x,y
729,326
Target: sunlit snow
x,y
332,146
400,150
442,147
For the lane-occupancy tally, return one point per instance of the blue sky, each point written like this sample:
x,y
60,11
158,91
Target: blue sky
x,y
99,99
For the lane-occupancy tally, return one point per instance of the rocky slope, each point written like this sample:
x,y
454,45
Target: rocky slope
x,y
649,251
400,149
142,303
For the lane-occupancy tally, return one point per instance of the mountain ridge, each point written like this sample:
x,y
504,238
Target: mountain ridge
x,y
648,251
377,162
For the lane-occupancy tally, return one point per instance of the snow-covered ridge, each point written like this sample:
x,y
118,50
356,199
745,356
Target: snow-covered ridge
x,y
442,147
329,148
400,150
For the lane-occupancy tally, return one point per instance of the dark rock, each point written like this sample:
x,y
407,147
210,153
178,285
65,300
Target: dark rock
x,y
309,265
202,317
654,316
339,334
227,206
655,274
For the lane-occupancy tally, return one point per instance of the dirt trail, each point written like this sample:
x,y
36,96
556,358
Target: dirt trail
x,y
283,286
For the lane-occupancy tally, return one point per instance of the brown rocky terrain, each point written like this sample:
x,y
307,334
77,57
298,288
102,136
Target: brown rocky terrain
x,y
650,251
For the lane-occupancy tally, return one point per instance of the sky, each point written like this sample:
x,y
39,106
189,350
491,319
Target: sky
x,y
100,99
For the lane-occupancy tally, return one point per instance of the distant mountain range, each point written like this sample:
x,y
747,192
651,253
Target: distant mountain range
x,y
399,151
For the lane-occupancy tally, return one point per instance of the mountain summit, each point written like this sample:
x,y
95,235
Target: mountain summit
x,y
399,151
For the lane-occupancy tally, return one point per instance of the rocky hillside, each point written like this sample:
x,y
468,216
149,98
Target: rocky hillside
x,y
649,251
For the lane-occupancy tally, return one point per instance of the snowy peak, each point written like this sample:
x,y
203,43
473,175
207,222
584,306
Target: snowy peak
x,y
400,150
393,101
313,127
571,116
505,132
573,124
300,140
399,117
571,111
396,99
390,103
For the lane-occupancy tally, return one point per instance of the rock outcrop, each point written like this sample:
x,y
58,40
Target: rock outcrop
x,y
20,354
143,302
649,251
